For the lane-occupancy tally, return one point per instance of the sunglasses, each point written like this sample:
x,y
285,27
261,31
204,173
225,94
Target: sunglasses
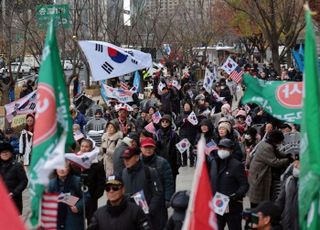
x,y
113,188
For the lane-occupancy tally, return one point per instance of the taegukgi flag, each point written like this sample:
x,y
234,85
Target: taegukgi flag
x,y
229,65
107,60
24,105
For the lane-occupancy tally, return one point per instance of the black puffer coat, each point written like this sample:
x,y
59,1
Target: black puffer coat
x,y
125,216
15,179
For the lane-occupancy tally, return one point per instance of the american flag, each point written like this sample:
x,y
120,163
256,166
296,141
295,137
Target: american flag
x,y
49,211
210,147
124,85
156,117
236,74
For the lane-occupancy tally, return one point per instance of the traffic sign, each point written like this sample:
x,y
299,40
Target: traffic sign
x,y
60,13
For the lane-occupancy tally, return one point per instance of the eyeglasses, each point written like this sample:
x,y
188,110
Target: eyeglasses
x,y
113,188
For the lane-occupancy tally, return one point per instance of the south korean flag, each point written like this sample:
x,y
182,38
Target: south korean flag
x,y
183,145
107,60
192,118
229,65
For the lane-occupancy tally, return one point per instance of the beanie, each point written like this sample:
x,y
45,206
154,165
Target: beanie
x,y
225,125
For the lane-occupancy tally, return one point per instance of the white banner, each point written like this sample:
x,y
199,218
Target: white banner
x,y
24,105
123,96
107,60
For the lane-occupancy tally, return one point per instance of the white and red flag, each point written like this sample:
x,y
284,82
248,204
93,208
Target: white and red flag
x,y
156,117
200,213
49,211
192,118
107,60
236,74
229,65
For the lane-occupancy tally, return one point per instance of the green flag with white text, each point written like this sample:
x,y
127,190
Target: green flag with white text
x,y
281,99
53,126
309,179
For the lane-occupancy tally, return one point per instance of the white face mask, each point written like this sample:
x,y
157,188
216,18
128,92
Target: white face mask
x,y
223,154
295,172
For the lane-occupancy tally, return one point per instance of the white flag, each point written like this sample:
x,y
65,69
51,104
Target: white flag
x,y
208,80
84,160
183,145
24,105
107,60
176,84
145,58
192,118
161,86
229,65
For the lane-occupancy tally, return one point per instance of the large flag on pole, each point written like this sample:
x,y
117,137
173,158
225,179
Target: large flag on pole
x,y
53,126
9,216
107,60
200,213
281,99
309,181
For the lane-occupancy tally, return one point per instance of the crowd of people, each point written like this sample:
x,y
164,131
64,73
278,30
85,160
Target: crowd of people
x,y
138,157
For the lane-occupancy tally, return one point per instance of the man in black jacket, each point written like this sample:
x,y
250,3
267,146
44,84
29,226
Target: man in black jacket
x,y
138,177
228,177
13,174
119,212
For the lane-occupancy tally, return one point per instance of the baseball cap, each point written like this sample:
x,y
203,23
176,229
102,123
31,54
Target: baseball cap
x,y
129,152
114,180
147,142
268,208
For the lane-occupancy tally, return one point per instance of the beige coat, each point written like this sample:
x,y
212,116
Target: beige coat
x,y
108,145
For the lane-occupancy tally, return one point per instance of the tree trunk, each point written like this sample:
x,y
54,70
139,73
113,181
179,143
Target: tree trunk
x,y
275,56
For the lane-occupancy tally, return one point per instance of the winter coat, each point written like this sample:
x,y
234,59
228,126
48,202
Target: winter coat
x,y
118,164
66,218
288,202
227,176
141,177
166,148
187,130
15,178
80,120
140,124
14,142
166,102
164,171
25,146
127,215
94,178
108,145
260,172
96,124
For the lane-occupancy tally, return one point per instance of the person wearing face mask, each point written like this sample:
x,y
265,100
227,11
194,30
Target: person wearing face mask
x,y
227,176
288,199
264,168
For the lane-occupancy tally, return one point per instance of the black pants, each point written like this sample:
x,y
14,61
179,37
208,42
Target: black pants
x,y
91,207
233,220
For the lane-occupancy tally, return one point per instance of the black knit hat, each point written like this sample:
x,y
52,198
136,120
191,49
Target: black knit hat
x,y
6,146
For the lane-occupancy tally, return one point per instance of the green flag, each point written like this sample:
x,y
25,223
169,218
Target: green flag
x,y
53,126
309,181
281,99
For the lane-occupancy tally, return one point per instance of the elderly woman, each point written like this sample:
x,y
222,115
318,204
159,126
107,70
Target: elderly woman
x,y
12,174
70,216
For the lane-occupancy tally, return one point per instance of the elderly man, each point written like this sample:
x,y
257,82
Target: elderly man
x,y
119,212
126,126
